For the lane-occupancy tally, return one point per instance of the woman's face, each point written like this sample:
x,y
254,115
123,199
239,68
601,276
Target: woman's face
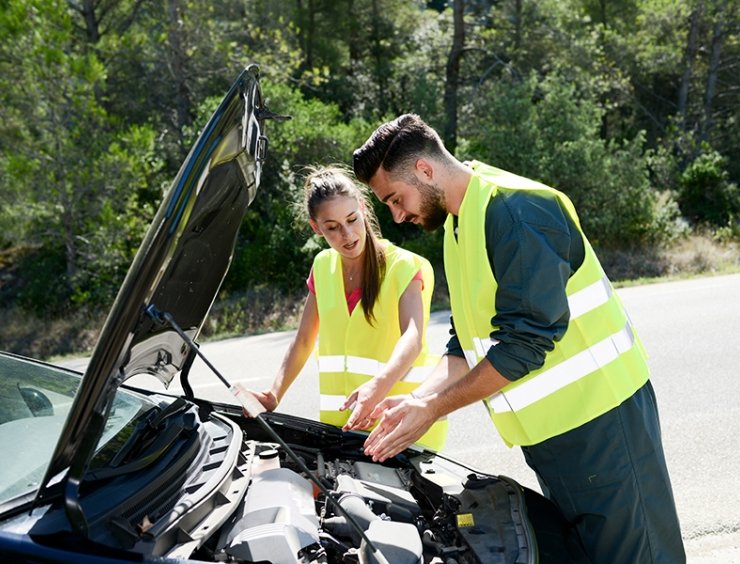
x,y
340,220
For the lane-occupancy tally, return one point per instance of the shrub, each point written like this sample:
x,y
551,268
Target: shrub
x,y
706,194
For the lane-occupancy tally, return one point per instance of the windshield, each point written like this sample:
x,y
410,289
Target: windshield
x,y
35,399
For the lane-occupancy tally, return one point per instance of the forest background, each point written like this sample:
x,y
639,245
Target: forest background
x,y
630,107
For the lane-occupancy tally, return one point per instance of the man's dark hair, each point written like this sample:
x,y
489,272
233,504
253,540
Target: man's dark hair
x,y
396,143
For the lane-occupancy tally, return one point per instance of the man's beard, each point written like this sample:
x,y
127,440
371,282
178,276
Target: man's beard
x,y
432,210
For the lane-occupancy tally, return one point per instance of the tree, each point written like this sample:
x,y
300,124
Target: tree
x,y
101,99
70,178
452,75
547,130
97,18
705,192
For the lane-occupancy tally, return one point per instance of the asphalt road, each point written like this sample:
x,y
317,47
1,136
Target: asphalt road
x,y
691,330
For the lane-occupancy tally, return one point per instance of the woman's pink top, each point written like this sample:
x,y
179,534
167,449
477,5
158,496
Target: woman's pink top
x,y
354,296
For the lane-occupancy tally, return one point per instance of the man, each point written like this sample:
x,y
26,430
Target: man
x,y
539,335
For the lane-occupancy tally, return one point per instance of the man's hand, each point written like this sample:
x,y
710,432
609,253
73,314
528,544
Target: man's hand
x,y
401,425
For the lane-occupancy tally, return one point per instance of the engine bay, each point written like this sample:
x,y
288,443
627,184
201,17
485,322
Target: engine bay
x,y
289,490
421,509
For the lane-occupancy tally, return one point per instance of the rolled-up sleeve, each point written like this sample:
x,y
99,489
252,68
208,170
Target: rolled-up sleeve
x,y
533,248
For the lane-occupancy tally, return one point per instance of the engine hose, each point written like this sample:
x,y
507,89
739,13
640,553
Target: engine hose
x,y
356,507
427,539
329,541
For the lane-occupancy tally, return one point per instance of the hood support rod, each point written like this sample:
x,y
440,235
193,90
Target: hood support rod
x,y
248,404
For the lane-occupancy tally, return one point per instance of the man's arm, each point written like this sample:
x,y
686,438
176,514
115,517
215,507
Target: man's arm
x,y
533,249
449,369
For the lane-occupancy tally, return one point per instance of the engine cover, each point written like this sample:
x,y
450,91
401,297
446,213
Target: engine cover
x,y
278,519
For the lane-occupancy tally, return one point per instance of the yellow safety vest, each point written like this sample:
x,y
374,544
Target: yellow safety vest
x,y
597,364
351,351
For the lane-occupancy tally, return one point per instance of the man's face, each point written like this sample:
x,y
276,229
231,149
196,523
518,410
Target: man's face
x,y
410,198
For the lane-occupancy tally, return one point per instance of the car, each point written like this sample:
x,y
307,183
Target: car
x,y
95,470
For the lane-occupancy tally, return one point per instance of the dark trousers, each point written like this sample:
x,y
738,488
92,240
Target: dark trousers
x,y
610,480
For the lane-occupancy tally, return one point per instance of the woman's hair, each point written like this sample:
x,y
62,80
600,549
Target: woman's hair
x,y
327,182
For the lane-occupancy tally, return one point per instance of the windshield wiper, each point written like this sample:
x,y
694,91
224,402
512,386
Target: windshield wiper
x,y
152,437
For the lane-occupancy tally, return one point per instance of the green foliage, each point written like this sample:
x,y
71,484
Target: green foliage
x,y
44,290
272,244
98,109
547,130
76,183
706,194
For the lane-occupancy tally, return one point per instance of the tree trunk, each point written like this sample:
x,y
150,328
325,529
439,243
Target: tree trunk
x,y
178,65
689,55
452,77
67,224
518,15
355,29
714,63
92,29
602,13
308,34
380,76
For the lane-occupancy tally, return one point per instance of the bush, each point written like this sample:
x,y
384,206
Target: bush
x,y
43,287
705,193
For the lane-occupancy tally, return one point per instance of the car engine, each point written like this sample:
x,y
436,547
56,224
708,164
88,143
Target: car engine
x,y
429,511
223,489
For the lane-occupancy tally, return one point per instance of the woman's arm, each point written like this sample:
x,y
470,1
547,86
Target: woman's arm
x,y
405,352
296,356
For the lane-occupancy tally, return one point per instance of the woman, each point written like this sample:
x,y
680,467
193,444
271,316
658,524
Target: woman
x,y
368,303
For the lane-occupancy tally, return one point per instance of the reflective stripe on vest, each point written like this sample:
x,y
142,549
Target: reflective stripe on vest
x,y
368,367
581,302
559,376
331,403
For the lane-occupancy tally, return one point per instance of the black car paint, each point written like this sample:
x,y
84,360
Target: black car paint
x,y
179,268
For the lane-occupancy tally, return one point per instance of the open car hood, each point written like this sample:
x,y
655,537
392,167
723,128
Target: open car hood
x,y
178,269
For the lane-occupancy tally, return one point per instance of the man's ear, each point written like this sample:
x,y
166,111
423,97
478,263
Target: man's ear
x,y
425,168
315,227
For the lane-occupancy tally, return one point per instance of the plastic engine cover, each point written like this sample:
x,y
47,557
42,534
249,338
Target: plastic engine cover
x,y
399,543
278,520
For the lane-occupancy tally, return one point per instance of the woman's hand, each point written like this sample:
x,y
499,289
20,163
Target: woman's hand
x,y
366,397
268,399
363,401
